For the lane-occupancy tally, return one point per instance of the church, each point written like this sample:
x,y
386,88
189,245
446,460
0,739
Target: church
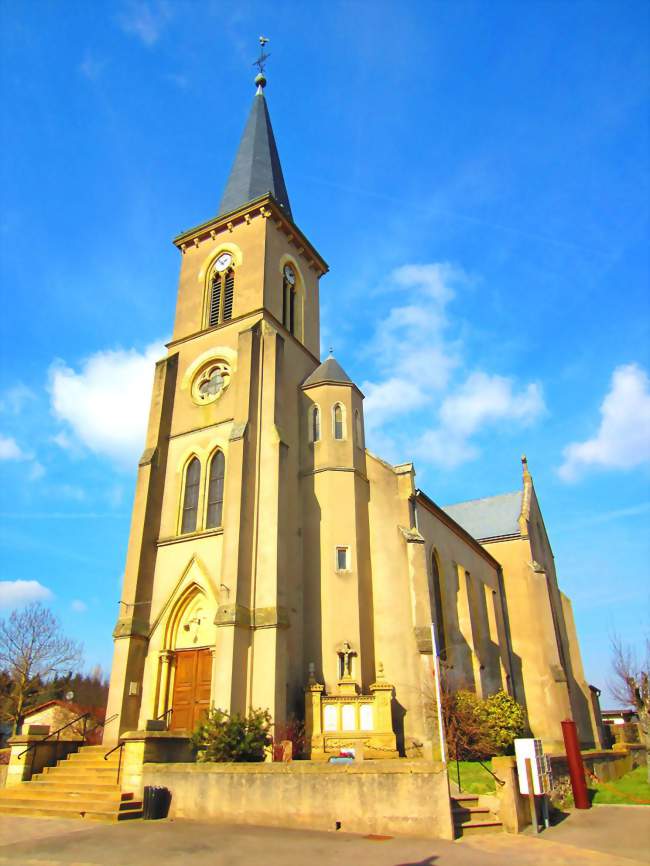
x,y
274,562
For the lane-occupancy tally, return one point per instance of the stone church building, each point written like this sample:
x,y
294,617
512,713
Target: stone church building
x,y
275,562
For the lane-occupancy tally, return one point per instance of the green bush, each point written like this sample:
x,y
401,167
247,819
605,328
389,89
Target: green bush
x,y
479,729
221,737
506,721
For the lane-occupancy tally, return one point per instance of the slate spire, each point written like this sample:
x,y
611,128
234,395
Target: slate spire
x,y
256,169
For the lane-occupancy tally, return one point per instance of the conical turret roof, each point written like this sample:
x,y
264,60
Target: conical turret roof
x,y
256,170
329,371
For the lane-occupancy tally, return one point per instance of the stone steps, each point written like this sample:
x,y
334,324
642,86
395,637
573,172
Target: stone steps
x,y
81,786
470,818
38,810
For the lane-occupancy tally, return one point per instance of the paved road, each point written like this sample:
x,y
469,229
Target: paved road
x,y
53,842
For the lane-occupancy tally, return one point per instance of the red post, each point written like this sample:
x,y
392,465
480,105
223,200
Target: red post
x,y
576,767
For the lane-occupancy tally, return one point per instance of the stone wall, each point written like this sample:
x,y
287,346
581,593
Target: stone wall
x,y
383,797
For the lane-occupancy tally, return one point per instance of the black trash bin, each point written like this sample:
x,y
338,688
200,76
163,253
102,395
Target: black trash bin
x,y
155,802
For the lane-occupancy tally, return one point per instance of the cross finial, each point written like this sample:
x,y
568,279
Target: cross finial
x,y
260,78
331,351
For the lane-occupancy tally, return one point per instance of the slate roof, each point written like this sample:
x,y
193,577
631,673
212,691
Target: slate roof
x,y
256,169
492,517
329,371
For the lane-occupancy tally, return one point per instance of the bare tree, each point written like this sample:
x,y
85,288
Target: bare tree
x,y
631,684
33,650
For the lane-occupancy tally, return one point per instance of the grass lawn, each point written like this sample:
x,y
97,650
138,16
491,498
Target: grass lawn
x,y
474,779
630,789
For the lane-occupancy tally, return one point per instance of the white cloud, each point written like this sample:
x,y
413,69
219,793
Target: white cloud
x,y
482,400
71,492
409,347
14,399
10,449
106,403
14,593
36,471
417,361
78,606
91,67
623,437
145,19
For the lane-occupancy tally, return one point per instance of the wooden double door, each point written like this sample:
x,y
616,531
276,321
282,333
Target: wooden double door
x,y
192,682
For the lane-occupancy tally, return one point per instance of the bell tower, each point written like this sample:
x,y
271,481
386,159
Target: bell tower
x,y
211,607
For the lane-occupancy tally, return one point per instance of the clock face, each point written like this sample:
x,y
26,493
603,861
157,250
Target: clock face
x,y
289,275
224,261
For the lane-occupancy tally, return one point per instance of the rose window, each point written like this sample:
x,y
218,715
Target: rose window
x,y
211,382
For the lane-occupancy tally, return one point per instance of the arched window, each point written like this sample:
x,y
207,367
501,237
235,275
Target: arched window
x,y
289,298
215,491
358,431
315,424
191,495
438,614
338,421
222,291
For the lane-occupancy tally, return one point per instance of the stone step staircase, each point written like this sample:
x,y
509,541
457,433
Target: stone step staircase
x,y
471,818
84,785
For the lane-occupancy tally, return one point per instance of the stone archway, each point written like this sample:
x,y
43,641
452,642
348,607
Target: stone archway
x,y
186,675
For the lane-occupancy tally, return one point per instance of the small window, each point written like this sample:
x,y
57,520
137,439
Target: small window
x,y
338,421
315,424
358,430
215,491
435,589
191,495
342,559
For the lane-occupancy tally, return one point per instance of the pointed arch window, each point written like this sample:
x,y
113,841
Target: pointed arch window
x,y
191,495
214,515
289,299
339,431
222,291
358,430
438,614
315,424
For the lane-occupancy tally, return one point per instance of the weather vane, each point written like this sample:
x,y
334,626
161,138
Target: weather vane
x,y
261,60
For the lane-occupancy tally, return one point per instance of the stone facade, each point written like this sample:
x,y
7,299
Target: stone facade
x,y
243,583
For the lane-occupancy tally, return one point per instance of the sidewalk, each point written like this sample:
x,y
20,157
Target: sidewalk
x,y
52,842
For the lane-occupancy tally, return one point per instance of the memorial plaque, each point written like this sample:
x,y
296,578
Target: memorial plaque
x,y
365,716
348,717
330,718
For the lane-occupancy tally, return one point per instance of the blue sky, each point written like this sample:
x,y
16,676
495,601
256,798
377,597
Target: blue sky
x,y
476,175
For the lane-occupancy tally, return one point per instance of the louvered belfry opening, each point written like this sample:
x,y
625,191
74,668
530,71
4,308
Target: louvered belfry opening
x,y
288,306
222,294
229,294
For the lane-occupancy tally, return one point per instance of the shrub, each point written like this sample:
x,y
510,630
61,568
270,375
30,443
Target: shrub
x,y
294,730
222,737
467,737
506,721
479,729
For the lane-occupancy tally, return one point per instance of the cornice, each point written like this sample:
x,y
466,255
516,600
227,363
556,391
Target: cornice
x,y
334,382
260,312
266,207
434,509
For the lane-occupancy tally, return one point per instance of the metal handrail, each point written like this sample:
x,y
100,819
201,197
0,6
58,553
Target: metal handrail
x,y
119,746
84,716
496,778
162,715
